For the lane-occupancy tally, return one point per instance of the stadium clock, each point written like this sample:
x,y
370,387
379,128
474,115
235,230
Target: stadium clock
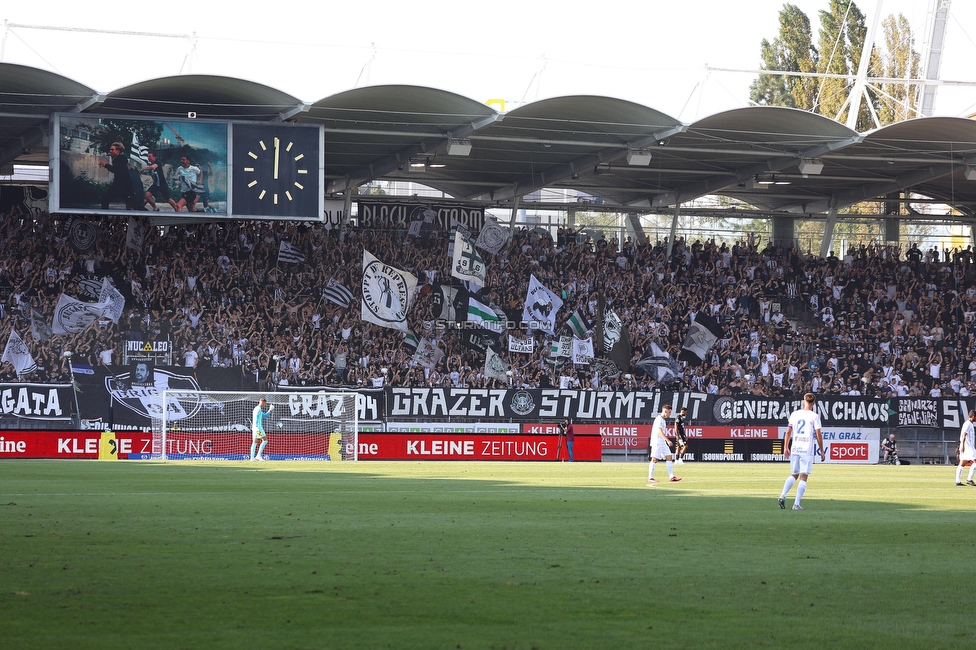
x,y
276,171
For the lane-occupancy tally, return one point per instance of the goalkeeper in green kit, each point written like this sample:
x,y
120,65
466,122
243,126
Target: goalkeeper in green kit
x,y
258,434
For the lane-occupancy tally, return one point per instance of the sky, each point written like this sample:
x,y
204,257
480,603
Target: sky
x,y
654,53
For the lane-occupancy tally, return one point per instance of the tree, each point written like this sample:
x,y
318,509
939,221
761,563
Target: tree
x,y
792,51
898,102
842,34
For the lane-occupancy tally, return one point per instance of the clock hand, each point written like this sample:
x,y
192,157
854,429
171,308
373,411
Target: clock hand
x,y
277,147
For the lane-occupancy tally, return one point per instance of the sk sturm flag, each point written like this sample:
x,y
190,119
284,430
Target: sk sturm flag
x,y
578,324
428,354
18,355
289,254
338,294
492,237
72,316
386,293
449,302
700,338
113,300
82,235
495,366
541,306
582,351
466,264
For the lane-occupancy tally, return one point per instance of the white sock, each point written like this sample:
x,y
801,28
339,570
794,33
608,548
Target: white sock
x,y
959,474
650,471
670,466
972,470
786,486
801,487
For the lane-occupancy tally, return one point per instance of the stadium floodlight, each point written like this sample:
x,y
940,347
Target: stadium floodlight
x,y
639,157
216,425
458,147
811,166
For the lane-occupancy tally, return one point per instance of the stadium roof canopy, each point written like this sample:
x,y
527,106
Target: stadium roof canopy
x,y
626,156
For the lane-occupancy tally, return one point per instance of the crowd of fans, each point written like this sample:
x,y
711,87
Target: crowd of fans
x,y
881,321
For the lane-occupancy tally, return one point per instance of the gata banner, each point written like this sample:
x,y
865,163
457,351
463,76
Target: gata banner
x,y
43,402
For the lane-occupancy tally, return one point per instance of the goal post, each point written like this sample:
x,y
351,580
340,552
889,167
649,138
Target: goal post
x,y
216,425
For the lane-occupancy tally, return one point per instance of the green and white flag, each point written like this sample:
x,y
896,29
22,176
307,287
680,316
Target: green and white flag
x,y
578,324
484,316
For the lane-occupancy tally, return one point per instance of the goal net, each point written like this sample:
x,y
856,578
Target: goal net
x,y
213,425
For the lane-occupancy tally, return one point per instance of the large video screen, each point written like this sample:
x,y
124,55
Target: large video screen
x,y
127,165
115,165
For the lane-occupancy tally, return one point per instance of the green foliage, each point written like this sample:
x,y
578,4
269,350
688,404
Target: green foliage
x,y
791,51
840,42
133,554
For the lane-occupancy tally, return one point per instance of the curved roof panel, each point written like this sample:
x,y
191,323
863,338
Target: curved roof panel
x,y
214,97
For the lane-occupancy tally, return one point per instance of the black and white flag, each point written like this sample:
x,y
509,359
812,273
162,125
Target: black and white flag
x,y
135,235
72,316
337,293
658,364
18,355
40,329
289,254
521,346
466,264
82,235
541,306
386,293
428,354
492,237
113,300
700,338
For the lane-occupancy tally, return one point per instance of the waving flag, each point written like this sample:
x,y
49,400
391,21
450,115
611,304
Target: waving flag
x,y
289,254
387,293
541,306
337,293
18,355
466,263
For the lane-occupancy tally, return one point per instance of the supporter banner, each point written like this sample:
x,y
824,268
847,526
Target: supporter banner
x,y
46,402
748,410
429,446
912,412
72,444
398,216
539,404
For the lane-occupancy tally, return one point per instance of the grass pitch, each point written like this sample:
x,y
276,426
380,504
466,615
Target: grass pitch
x,y
480,555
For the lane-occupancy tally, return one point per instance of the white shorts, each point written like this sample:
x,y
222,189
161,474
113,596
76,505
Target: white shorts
x,y
801,464
661,450
968,453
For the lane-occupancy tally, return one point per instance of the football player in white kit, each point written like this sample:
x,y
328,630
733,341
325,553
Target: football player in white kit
x,y
660,446
803,429
967,449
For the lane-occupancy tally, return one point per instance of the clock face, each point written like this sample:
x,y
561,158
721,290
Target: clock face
x,y
276,171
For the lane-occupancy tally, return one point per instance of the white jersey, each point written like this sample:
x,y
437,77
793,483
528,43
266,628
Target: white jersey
x,y
967,439
659,430
804,424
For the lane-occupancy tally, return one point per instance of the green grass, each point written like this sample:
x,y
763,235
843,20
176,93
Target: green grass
x,y
480,555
